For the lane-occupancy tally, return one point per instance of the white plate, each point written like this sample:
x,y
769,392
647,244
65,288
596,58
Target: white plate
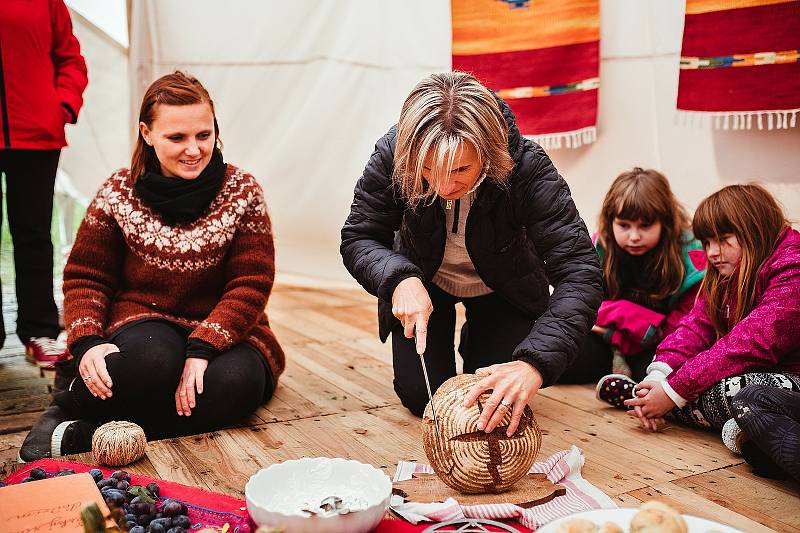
x,y
622,517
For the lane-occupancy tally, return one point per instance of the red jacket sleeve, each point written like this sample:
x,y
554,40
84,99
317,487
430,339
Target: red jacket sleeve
x,y
70,67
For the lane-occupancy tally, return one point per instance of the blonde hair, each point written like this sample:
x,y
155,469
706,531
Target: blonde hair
x,y
640,194
752,214
443,111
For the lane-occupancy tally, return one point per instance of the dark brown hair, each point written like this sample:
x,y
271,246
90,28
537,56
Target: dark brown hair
x,y
640,194
177,88
754,217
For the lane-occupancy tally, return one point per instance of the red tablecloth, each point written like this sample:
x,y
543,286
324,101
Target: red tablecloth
x,y
206,509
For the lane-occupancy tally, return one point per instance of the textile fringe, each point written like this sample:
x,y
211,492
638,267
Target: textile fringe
x,y
739,120
566,139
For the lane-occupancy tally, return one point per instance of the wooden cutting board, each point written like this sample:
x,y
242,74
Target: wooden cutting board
x,y
531,490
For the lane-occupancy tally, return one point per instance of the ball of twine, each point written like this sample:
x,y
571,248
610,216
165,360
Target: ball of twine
x,y
467,459
118,443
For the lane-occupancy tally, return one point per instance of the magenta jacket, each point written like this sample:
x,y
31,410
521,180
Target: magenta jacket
x,y
766,340
632,328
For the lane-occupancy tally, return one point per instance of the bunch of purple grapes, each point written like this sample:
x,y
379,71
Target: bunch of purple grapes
x,y
136,508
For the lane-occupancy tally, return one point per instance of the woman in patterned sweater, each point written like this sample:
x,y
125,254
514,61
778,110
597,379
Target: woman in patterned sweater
x,y
166,287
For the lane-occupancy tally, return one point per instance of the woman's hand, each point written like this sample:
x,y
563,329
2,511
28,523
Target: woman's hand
x,y
92,369
412,305
654,403
513,384
191,380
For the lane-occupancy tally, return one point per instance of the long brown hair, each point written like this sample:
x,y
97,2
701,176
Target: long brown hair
x,y
640,194
441,112
754,217
177,88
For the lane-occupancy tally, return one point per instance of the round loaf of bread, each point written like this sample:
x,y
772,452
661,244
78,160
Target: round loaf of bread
x,y
473,461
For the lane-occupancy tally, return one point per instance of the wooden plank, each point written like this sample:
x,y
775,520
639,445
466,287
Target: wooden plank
x,y
9,451
17,422
689,502
673,448
744,471
317,325
360,375
748,497
25,404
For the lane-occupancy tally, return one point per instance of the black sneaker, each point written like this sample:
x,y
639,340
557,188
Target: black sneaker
x,y
614,389
54,435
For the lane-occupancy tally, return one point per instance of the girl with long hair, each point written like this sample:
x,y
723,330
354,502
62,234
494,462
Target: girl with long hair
x,y
744,328
652,268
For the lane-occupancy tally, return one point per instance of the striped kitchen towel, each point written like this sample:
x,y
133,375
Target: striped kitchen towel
x,y
540,56
563,468
740,64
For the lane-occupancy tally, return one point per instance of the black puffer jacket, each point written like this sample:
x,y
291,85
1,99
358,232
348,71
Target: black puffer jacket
x,y
521,238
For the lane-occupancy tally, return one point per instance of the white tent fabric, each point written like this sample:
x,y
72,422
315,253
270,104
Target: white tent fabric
x,y
304,88
100,142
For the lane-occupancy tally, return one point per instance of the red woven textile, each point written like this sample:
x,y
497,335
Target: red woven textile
x,y
541,56
206,509
742,57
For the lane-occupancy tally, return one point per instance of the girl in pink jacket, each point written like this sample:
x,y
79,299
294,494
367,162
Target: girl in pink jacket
x,y
744,328
652,268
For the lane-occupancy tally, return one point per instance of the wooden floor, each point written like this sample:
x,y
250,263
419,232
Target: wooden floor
x,y
336,399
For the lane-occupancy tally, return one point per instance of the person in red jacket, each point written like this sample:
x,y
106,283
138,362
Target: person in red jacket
x,y
42,78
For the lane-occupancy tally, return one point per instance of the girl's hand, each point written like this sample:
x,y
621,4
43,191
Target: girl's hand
x,y
92,369
191,379
599,330
648,424
655,403
412,305
513,384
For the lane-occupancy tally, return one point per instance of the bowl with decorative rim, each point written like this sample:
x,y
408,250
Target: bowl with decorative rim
x,y
319,495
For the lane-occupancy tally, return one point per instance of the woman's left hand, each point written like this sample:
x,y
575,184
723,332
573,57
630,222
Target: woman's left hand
x,y
513,385
191,380
654,404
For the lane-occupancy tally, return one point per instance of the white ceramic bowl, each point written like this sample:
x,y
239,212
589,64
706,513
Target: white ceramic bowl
x,y
277,494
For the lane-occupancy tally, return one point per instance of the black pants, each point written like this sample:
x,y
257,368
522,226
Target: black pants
x,y
770,417
594,362
493,330
145,374
30,177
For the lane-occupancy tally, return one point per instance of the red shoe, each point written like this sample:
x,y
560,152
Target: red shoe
x,y
45,352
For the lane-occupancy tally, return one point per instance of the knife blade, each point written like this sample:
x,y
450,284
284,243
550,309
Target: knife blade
x,y
427,384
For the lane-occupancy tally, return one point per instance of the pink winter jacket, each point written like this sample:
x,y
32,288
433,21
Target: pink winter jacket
x,y
766,340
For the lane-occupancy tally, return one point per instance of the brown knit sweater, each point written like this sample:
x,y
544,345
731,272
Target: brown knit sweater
x,y
213,275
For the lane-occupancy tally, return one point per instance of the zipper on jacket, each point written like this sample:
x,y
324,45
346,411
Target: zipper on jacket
x,y
3,104
455,216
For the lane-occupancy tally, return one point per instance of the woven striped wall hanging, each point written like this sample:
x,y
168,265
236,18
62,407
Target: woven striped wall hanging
x,y
740,64
540,56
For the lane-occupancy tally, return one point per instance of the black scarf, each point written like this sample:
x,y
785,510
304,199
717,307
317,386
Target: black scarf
x,y
178,201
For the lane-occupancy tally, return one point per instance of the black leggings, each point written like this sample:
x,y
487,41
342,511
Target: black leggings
x,y
714,406
493,330
770,417
594,361
145,374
